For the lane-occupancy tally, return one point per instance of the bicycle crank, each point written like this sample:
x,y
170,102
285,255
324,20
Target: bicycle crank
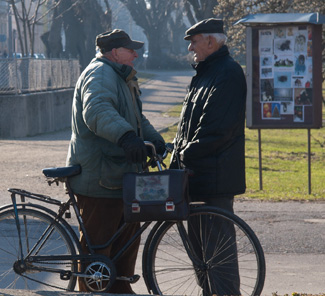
x,y
99,276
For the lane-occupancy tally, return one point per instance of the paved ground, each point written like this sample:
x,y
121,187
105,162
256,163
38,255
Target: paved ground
x,y
292,233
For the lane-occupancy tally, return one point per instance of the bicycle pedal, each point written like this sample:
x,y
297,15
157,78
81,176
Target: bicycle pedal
x,y
65,275
131,279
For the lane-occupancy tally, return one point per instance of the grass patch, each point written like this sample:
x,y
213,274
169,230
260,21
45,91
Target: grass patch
x,y
143,76
284,163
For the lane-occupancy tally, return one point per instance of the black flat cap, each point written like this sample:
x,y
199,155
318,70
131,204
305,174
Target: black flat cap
x,y
115,39
210,25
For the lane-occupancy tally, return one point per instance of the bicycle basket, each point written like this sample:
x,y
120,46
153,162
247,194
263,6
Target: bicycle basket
x,y
156,196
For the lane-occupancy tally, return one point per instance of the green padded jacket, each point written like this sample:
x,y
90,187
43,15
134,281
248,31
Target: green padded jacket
x,y
103,110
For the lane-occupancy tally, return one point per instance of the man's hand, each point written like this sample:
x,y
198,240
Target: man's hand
x,y
134,148
160,147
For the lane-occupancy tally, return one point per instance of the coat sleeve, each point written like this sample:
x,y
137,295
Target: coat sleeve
x,y
222,113
149,132
100,106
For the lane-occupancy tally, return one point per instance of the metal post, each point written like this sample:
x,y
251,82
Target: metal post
x,y
309,163
10,41
260,158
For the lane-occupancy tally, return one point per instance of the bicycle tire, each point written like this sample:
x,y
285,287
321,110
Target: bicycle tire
x,y
64,223
32,225
172,272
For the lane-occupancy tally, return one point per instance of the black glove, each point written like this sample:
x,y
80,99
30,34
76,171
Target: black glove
x,y
160,147
169,147
134,148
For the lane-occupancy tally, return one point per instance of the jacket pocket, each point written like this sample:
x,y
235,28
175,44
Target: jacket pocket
x,y
203,184
112,171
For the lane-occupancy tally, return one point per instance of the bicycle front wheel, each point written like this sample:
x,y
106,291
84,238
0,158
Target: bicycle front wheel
x,y
214,252
40,236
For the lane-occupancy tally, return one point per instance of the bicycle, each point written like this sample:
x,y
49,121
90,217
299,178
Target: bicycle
x,y
39,248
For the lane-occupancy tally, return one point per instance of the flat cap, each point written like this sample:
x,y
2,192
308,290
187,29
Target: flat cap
x,y
210,25
115,39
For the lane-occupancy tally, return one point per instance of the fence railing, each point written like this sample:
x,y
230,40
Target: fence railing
x,y
30,75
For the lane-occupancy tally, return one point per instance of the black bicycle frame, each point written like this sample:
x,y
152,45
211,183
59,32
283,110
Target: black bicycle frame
x,y
63,207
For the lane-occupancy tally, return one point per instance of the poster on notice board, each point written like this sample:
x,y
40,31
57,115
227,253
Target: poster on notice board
x,y
285,72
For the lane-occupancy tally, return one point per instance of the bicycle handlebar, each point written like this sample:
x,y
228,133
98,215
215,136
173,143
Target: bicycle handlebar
x,y
158,159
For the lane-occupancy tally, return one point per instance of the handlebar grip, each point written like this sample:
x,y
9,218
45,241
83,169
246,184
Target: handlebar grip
x,y
169,147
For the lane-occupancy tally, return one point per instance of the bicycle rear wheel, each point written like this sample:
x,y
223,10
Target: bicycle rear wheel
x,y
57,242
220,263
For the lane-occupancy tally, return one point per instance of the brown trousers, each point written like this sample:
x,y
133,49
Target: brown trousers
x,y
102,217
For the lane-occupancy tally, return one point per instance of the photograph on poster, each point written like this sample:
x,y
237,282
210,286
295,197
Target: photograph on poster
x,y
282,79
303,96
300,64
301,42
266,72
283,46
287,108
309,49
280,33
267,90
270,110
310,32
283,94
298,81
298,114
309,66
266,61
301,81
283,62
291,31
266,42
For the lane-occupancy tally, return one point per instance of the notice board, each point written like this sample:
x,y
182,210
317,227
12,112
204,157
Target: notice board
x,y
284,71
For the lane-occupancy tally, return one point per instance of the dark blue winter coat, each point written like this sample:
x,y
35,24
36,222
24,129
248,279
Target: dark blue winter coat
x,y
210,139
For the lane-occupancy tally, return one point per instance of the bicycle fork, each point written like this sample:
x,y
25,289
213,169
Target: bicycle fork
x,y
198,264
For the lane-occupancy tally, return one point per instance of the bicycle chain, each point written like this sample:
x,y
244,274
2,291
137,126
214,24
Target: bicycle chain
x,y
42,283
49,285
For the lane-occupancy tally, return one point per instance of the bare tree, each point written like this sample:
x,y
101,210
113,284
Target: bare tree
x,y
153,16
197,10
79,21
29,14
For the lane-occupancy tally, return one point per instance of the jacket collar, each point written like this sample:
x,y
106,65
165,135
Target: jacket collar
x,y
125,71
223,51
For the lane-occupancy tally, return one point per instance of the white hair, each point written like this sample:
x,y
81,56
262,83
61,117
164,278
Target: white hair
x,y
220,37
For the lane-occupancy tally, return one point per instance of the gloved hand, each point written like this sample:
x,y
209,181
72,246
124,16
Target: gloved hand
x,y
160,147
169,147
134,147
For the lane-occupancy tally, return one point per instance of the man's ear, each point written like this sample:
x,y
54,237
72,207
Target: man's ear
x,y
114,53
213,44
212,41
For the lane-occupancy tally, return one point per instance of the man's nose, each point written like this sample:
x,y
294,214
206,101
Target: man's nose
x,y
190,47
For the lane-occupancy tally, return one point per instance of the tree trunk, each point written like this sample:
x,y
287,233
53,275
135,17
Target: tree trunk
x,y
81,23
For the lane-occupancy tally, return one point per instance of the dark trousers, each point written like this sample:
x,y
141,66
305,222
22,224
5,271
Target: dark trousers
x,y
222,275
102,217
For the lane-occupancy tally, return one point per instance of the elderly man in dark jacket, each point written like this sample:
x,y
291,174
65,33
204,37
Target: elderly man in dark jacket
x,y
210,139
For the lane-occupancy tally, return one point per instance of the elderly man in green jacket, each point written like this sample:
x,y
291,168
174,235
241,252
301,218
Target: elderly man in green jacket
x,y
108,133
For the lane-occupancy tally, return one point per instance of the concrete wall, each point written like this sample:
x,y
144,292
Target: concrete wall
x,y
31,114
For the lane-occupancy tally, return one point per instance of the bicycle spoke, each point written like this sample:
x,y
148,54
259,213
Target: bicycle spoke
x,y
40,235
227,256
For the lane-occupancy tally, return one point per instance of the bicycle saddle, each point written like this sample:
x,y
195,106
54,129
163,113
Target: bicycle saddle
x,y
62,172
